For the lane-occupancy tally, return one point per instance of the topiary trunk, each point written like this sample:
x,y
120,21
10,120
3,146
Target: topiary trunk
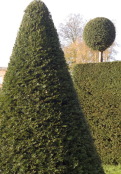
x,y
100,56
42,128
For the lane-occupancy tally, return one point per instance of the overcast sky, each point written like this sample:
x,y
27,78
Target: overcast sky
x,y
11,13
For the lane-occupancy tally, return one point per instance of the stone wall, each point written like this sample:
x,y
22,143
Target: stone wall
x,y
2,73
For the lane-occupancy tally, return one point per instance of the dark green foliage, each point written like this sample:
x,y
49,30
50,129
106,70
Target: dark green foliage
x,y
99,90
99,33
43,130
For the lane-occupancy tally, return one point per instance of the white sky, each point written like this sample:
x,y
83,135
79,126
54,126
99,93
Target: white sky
x,y
11,13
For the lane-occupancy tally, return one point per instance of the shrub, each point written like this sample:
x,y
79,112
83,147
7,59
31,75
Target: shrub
x,y
99,34
99,91
112,169
43,129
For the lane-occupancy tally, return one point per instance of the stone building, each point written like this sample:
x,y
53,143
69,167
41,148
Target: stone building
x,y
2,73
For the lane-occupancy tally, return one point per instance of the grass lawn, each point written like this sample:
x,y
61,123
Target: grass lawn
x,y
110,169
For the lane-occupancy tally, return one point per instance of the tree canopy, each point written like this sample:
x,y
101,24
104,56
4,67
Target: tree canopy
x,y
99,33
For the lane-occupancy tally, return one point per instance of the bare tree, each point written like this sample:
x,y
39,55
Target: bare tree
x,y
72,29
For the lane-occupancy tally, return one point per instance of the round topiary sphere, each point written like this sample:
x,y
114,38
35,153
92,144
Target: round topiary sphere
x,y
99,33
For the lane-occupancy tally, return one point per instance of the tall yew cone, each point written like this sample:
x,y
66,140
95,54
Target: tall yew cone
x,y
43,130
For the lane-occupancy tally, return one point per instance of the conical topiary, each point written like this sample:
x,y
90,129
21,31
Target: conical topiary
x,y
42,129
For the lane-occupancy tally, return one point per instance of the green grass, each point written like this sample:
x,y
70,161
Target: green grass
x,y
111,169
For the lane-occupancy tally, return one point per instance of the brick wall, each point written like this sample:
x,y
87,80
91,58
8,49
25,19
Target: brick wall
x,y
2,73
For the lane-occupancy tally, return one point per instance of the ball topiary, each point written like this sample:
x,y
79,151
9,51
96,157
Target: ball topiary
x,y
42,127
99,33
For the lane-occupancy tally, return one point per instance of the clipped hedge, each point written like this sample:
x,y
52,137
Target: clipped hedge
x,y
43,130
99,91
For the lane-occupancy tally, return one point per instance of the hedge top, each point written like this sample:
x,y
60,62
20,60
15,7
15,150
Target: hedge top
x,y
99,33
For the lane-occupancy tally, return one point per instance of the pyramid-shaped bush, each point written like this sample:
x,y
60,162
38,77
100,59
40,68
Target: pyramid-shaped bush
x,y
42,130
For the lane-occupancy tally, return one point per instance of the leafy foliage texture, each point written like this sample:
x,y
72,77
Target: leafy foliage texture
x,y
99,33
99,91
42,130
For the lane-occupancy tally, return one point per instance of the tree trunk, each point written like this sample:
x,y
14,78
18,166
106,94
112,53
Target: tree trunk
x,y
100,56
